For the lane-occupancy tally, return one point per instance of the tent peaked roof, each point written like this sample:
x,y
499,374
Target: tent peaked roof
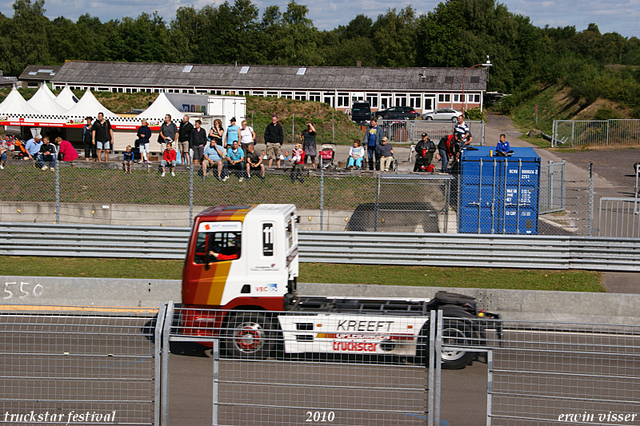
x,y
88,105
159,108
44,101
66,98
14,103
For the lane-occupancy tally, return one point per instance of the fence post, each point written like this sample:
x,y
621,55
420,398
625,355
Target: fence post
x,y
216,370
160,357
489,385
482,140
573,127
293,128
377,204
58,193
550,185
608,121
591,199
431,377
321,196
438,373
191,192
333,128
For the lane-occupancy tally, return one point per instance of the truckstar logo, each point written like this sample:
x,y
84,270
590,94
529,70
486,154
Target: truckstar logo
x,y
269,288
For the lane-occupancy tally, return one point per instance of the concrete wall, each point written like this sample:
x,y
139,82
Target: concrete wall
x,y
603,308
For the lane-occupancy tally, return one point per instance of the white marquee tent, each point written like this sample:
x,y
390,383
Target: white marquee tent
x,y
15,104
44,101
66,98
89,106
158,109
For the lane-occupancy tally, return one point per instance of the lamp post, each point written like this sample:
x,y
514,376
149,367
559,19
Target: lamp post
x,y
486,65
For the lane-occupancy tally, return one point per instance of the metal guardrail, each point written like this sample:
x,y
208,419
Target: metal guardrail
x,y
479,250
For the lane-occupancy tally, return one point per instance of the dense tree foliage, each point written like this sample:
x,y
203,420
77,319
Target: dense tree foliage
x,y
457,33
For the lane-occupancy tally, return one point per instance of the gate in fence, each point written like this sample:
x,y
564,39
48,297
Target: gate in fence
x,y
619,217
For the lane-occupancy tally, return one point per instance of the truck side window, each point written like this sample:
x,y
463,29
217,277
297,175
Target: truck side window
x,y
217,246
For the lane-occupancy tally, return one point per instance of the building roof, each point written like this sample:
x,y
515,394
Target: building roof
x,y
137,74
40,72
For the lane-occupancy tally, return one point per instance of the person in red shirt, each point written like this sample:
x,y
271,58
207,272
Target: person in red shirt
x,y
169,157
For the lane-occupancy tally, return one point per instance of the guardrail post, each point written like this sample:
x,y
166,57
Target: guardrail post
x,y
489,385
591,198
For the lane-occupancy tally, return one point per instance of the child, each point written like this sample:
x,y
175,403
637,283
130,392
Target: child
x,y
298,165
356,154
264,155
386,155
297,152
169,157
127,159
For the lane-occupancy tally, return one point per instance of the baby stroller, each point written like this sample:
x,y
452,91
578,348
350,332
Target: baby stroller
x,y
327,154
19,151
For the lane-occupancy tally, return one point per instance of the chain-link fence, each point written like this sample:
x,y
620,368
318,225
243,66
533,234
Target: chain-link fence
x,y
327,199
402,131
595,132
67,365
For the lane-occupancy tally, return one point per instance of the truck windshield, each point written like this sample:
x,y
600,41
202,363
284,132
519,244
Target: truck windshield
x,y
217,246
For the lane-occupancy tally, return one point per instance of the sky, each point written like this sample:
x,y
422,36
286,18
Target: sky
x,y
621,16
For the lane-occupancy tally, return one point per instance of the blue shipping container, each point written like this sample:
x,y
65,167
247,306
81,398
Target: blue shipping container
x,y
499,195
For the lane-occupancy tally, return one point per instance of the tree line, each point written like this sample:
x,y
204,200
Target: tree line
x,y
457,33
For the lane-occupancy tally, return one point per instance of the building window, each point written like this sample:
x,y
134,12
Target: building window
x,y
301,96
272,93
444,97
314,96
476,98
415,101
456,98
401,100
286,95
385,100
258,93
372,98
343,99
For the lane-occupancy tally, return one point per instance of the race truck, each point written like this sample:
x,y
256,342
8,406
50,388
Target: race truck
x,y
239,284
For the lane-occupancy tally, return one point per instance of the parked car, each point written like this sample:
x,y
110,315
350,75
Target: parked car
x,y
397,113
361,112
448,114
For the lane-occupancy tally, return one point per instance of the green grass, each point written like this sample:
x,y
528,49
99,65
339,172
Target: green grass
x,y
519,279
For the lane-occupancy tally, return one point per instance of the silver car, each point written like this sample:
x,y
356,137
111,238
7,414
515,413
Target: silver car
x,y
448,114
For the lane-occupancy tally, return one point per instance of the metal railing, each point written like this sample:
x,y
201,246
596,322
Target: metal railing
x,y
568,133
619,217
430,249
404,131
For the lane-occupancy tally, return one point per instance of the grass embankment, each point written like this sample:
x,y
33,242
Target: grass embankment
x,y
323,273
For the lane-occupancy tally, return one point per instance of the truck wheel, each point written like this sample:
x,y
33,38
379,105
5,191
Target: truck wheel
x,y
250,335
456,333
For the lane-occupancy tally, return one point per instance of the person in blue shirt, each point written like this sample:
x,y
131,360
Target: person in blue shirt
x,y
233,133
235,161
372,140
33,146
502,148
211,156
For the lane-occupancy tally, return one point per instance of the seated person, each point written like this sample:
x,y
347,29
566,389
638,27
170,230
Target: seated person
x,y
356,155
47,155
169,159
226,253
212,154
298,166
386,154
254,162
3,152
33,147
235,161
424,153
502,148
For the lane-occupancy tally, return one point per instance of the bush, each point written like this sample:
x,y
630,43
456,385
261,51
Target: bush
x,y
607,113
475,114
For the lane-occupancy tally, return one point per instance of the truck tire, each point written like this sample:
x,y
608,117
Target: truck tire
x,y
249,336
456,332
453,332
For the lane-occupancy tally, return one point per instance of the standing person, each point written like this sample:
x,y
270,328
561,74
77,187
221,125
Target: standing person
x,y
298,164
233,133
127,160
216,132
89,143
144,135
308,138
424,152
167,133
448,149
184,135
461,131
273,139
169,158
198,141
102,135
372,140
247,136
254,162
3,152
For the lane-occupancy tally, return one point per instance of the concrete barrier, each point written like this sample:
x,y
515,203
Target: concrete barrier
x,y
601,308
